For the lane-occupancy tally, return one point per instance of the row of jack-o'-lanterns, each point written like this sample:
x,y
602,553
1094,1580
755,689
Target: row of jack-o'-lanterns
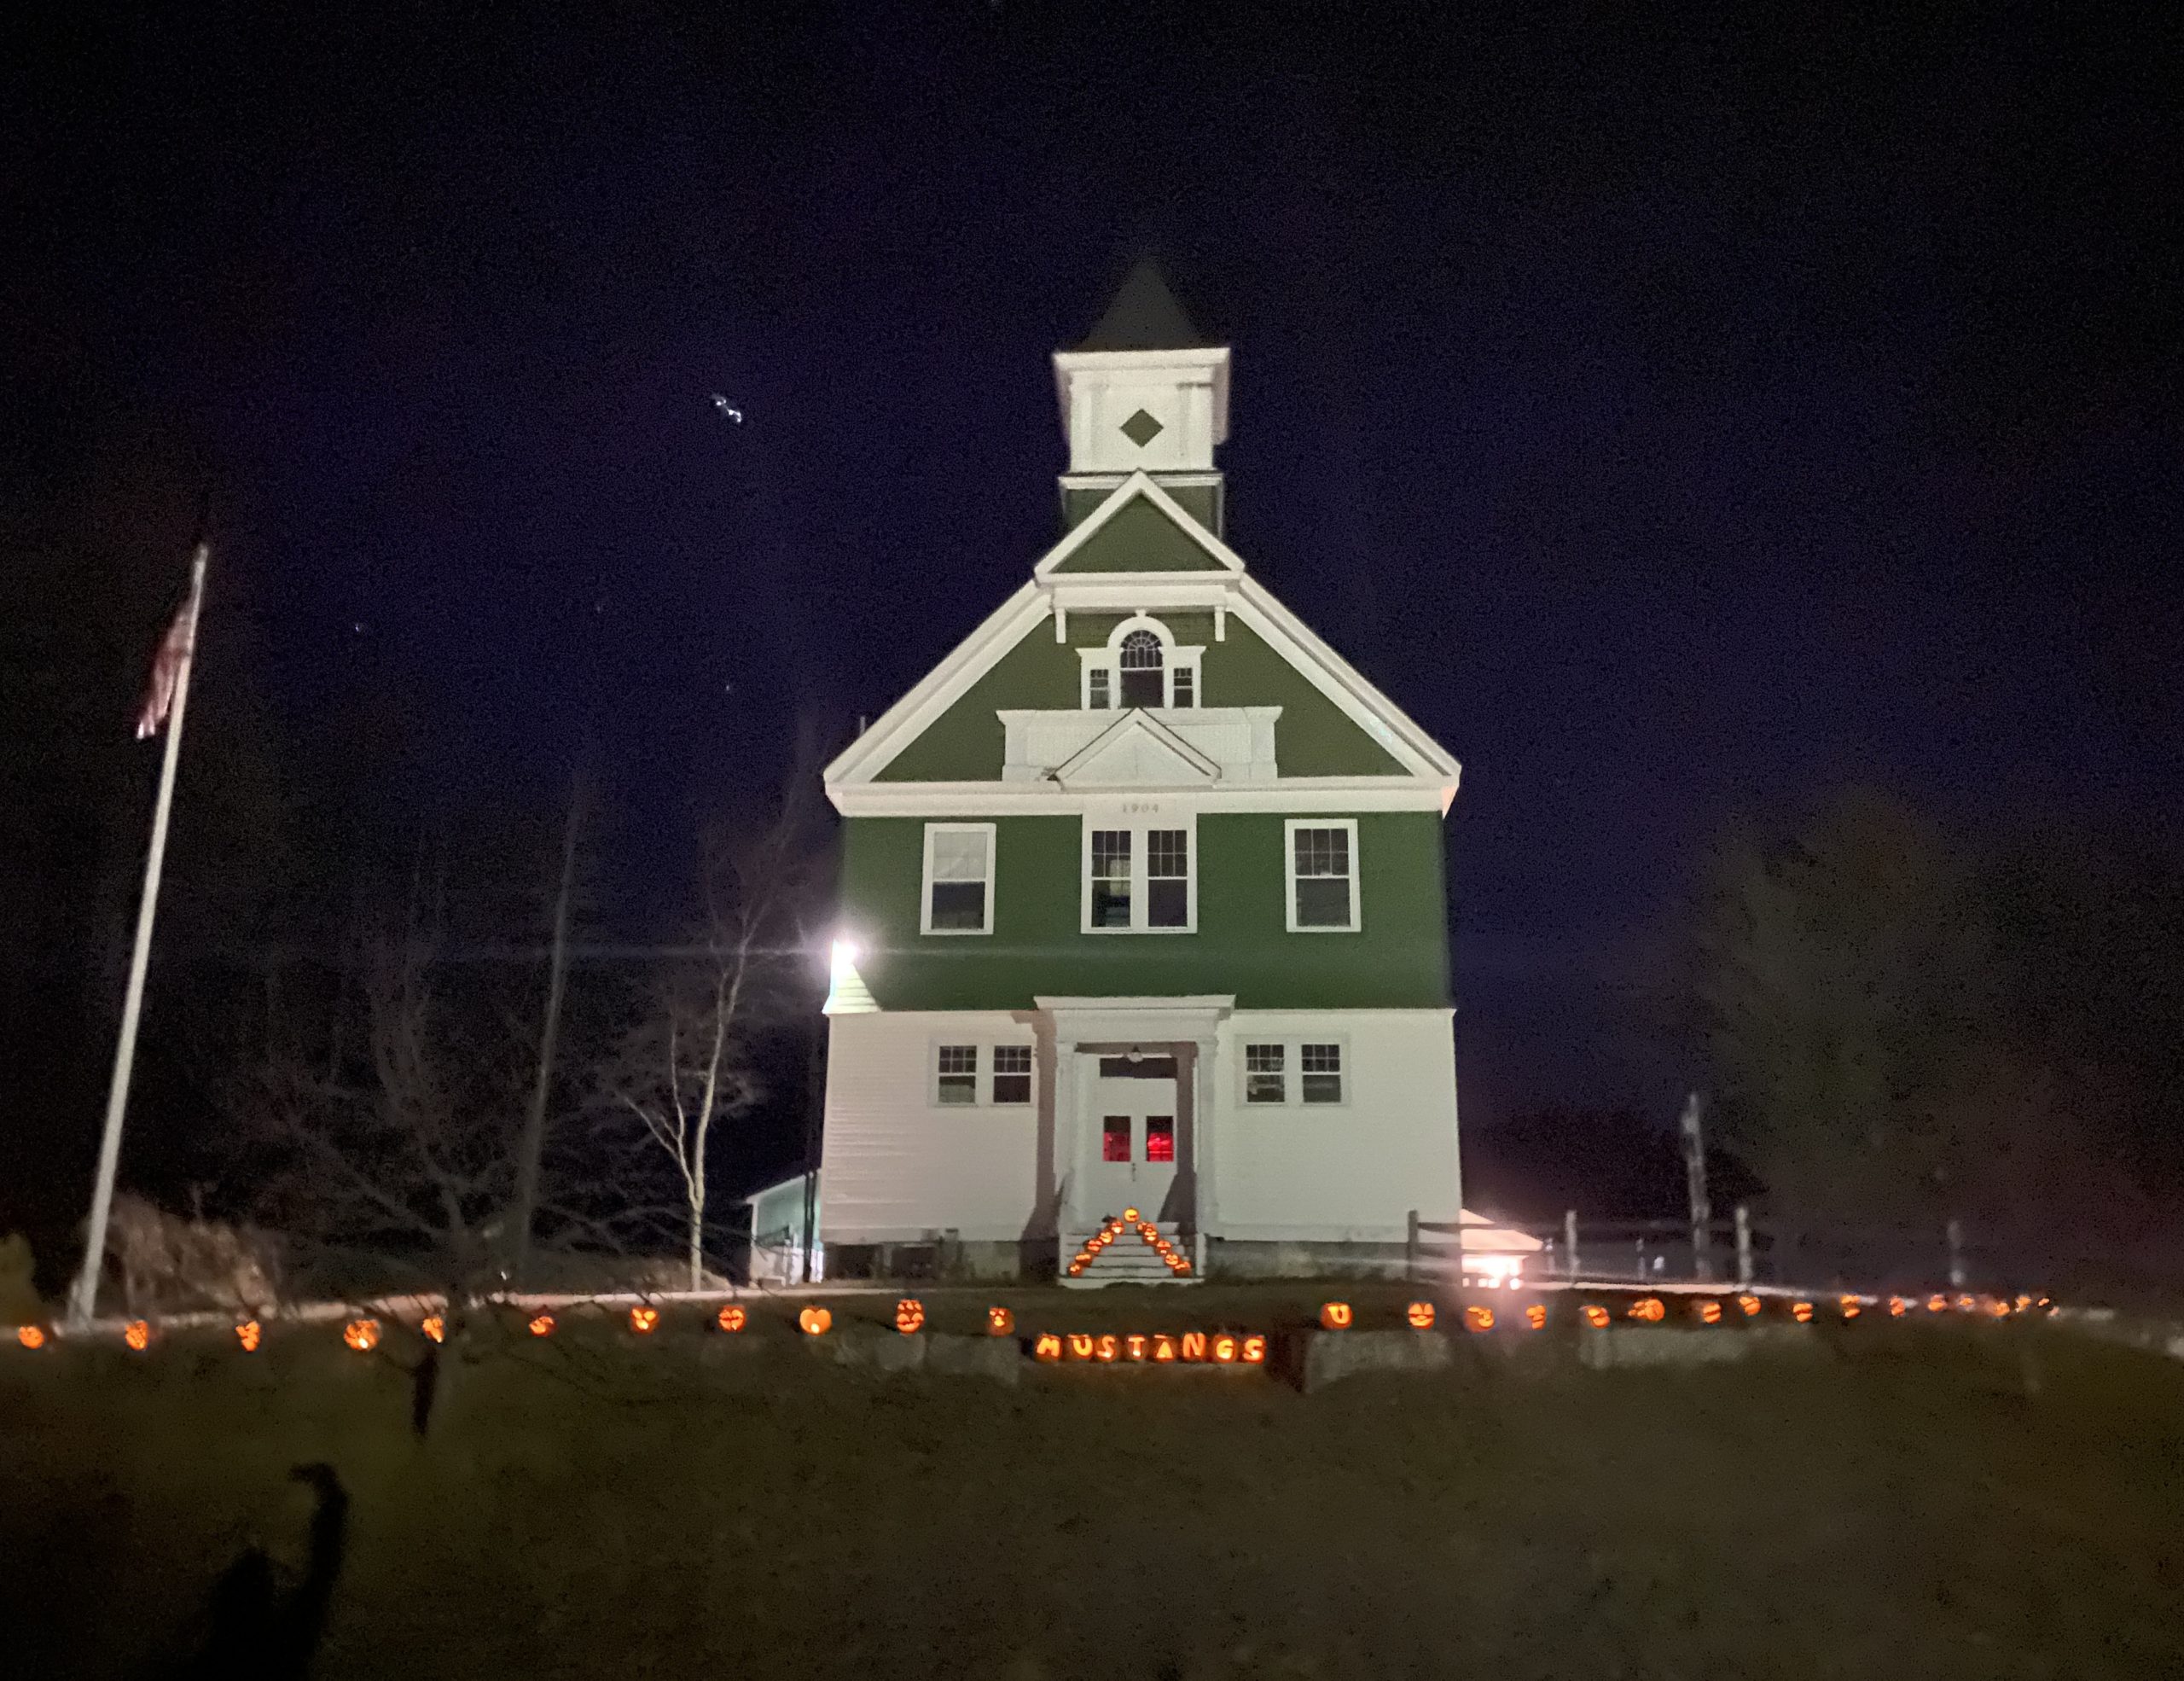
x,y
1219,1348
1149,1234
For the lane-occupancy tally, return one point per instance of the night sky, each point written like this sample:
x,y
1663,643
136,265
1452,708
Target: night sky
x,y
1676,426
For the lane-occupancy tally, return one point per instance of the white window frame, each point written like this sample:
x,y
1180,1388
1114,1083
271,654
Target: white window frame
x,y
993,1072
1289,876
1293,1043
1140,860
1174,656
980,1061
925,884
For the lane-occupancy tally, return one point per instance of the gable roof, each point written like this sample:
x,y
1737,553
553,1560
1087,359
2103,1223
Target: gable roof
x,y
1070,555
1144,315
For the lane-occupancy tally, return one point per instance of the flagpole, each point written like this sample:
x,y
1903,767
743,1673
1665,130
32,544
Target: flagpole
x,y
85,1295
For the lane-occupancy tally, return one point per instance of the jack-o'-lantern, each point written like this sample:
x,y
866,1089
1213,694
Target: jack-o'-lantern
x,y
1477,1318
139,1335
434,1328
1709,1313
731,1317
1999,1308
1420,1315
1650,1309
1335,1314
541,1324
1130,1214
1850,1307
1253,1350
1968,1304
1000,1322
1163,1348
1224,1350
910,1315
1898,1307
1596,1315
1106,1348
247,1333
816,1321
1133,1347
361,1335
31,1336
1048,1346
1751,1303
2023,1302
1801,1311
1080,1345
644,1321
1191,1346
1937,1304
1075,1268
1536,1317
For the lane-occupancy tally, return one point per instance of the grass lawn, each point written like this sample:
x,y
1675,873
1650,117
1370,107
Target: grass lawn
x,y
1951,1499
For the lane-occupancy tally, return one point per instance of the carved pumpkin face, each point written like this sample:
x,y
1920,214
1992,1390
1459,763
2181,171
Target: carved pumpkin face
x,y
31,1336
644,1321
1335,1314
248,1334
1936,1304
1477,1318
1131,1215
1596,1315
732,1318
1000,1322
1801,1311
435,1328
1709,1313
1420,1315
1751,1304
1651,1309
361,1335
138,1336
1898,1307
910,1315
1536,1317
816,1321
541,1324
1851,1307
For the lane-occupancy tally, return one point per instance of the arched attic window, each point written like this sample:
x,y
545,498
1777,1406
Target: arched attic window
x,y
1143,684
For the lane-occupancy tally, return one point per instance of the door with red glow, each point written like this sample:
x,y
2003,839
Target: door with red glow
x,y
1132,1137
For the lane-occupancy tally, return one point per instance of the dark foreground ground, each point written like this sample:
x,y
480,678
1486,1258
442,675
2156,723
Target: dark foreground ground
x,y
1950,1499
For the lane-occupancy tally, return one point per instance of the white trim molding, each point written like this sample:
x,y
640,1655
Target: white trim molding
x,y
1355,875
933,831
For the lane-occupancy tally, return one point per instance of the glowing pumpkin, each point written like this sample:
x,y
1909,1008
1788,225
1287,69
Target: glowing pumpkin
x,y
1130,1214
1106,1348
1801,1311
1477,1318
1936,1304
1751,1303
1898,1307
2000,1308
910,1315
731,1317
644,1321
1253,1353
1851,1307
248,1334
1163,1348
541,1324
2023,1302
1133,1347
1650,1309
1000,1322
1596,1315
1420,1315
1968,1304
1080,1345
1335,1314
1536,1317
435,1328
1046,1348
139,1335
1709,1313
1192,1346
361,1335
816,1321
31,1336
1224,1350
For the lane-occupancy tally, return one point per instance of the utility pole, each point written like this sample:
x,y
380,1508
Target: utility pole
x,y
532,1146
84,1297
1694,1182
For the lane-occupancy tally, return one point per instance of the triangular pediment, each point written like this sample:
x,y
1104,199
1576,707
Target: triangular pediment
x,y
1138,752
1139,530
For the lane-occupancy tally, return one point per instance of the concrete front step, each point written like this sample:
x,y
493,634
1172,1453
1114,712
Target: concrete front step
x,y
1127,1260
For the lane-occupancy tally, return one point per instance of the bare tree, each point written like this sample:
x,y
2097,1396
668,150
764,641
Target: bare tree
x,y
686,1064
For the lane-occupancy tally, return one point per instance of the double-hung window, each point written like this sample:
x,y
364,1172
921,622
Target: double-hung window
x,y
956,1075
1312,1072
1012,1074
1321,864
1139,879
958,892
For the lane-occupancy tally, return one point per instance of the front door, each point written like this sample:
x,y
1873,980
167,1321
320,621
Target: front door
x,y
1133,1115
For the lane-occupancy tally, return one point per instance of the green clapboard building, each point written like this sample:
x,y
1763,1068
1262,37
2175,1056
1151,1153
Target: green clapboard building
x,y
1142,890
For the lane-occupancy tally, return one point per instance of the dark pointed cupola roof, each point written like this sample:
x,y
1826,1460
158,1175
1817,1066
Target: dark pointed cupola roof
x,y
1144,316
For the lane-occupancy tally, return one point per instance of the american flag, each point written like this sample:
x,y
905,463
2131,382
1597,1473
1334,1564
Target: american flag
x,y
166,668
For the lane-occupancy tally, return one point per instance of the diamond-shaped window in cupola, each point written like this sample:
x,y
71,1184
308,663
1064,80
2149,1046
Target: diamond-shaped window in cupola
x,y
1140,429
